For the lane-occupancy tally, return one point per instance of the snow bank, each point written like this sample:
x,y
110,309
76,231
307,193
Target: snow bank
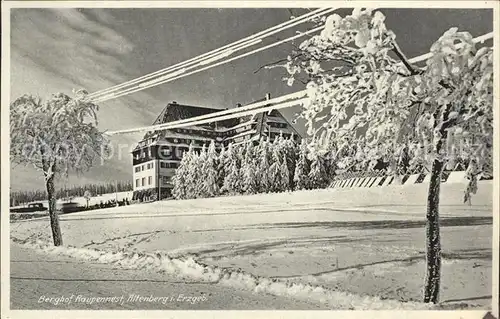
x,y
189,269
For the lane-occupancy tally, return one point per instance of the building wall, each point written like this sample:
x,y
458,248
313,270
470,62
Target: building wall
x,y
168,173
148,175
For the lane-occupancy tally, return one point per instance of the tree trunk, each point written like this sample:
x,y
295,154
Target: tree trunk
x,y
433,241
54,218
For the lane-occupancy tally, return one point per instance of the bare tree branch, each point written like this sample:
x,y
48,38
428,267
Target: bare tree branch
x,y
269,64
397,50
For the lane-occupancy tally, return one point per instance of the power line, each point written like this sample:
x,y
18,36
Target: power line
x,y
173,125
258,107
214,117
223,51
156,82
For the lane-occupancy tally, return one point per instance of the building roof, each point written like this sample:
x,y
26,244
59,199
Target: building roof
x,y
175,112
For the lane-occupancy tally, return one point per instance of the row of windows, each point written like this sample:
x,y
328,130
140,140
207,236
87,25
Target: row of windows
x,y
142,181
143,154
241,138
278,125
203,133
141,167
151,165
169,165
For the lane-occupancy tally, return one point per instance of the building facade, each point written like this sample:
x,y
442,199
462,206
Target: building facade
x,y
158,154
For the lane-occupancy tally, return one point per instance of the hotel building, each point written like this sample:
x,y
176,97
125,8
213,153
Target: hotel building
x,y
159,153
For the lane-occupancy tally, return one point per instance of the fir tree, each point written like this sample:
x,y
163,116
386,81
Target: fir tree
x,y
209,166
180,190
284,181
233,179
199,174
317,174
290,148
277,180
301,175
264,182
249,170
222,169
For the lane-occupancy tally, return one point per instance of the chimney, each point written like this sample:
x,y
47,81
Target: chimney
x,y
268,96
238,105
174,102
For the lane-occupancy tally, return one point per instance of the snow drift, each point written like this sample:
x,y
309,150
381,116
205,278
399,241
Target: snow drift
x,y
189,269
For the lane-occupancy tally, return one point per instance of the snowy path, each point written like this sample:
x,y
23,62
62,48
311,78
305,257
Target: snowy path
x,y
368,242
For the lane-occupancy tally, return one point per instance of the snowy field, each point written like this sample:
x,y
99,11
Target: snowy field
x,y
344,248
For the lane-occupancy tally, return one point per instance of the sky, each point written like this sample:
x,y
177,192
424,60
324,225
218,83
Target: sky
x,y
57,50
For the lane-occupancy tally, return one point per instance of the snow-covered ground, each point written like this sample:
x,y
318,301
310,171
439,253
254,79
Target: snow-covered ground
x,y
346,248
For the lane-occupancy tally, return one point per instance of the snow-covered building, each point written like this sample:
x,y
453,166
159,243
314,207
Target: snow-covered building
x,y
159,153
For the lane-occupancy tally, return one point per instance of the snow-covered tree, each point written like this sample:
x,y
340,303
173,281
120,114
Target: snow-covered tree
x,y
290,151
233,179
284,175
87,195
301,175
199,174
264,162
191,172
249,170
318,176
180,179
55,136
365,91
222,169
278,180
209,167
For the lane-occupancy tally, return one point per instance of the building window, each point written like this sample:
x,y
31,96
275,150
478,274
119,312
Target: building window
x,y
142,167
143,181
137,183
150,180
165,152
137,169
166,179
